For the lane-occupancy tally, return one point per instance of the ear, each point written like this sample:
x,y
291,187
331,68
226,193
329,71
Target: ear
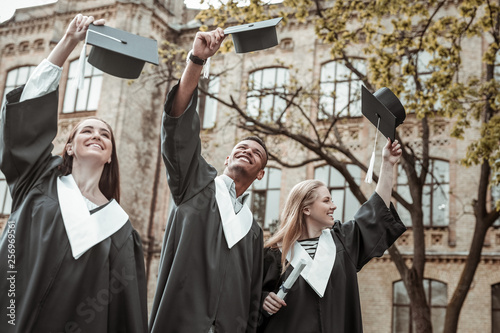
x,y
69,149
306,211
109,161
261,174
226,162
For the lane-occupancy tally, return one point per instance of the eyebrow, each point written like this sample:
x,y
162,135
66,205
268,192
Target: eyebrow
x,y
256,149
100,128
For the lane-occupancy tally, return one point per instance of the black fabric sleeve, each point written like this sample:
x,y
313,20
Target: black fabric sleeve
x,y
187,171
26,134
373,230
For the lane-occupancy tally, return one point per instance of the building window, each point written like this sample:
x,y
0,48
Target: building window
x,y
266,90
5,198
424,69
497,67
346,202
87,98
495,308
207,105
435,196
495,196
340,88
264,198
436,294
15,78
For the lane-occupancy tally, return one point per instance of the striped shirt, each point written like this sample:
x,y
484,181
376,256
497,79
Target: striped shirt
x,y
310,245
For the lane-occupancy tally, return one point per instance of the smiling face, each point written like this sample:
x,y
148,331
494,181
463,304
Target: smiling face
x,y
248,158
92,142
319,214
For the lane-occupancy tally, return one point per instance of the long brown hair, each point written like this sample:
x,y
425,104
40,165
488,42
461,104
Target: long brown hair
x,y
292,220
109,183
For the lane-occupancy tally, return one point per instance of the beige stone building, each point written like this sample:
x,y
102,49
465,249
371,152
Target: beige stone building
x,y
134,110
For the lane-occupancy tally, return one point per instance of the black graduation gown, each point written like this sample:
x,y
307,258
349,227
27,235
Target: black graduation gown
x,y
373,230
200,279
49,291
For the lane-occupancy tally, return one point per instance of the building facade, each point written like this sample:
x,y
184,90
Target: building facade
x,y
133,109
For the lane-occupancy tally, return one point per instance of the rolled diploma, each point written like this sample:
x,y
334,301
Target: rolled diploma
x,y
291,279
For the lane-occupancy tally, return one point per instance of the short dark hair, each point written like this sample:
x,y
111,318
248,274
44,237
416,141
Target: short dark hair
x,y
260,142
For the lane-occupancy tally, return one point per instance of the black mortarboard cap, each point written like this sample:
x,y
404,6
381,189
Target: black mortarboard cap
x,y
254,36
385,105
120,53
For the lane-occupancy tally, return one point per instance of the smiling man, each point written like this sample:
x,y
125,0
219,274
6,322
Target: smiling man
x,y
210,274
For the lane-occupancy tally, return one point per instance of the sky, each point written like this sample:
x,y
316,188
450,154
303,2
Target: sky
x,y
9,6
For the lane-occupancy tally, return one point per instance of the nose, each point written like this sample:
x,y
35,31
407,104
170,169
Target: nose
x,y
96,135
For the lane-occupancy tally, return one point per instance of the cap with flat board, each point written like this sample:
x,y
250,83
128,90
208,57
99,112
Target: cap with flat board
x,y
254,36
120,53
385,105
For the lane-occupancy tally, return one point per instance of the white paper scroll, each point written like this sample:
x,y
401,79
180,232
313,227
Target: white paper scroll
x,y
287,285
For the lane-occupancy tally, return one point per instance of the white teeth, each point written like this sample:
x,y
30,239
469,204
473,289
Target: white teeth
x,y
96,145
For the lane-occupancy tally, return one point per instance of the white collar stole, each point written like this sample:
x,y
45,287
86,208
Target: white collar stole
x,y
235,226
85,230
318,270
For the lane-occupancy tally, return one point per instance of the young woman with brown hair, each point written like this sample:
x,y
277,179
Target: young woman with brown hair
x,y
70,260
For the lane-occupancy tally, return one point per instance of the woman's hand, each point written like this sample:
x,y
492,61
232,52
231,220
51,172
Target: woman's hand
x,y
78,27
392,152
272,303
76,32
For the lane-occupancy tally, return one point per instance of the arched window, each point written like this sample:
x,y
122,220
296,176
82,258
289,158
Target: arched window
x,y
436,294
422,62
340,88
495,196
87,98
265,197
435,196
207,105
495,308
346,202
265,97
15,78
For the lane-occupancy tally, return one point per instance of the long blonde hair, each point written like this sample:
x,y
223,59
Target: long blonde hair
x,y
292,220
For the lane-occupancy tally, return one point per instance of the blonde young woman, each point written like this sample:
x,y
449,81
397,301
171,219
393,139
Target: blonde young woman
x,y
70,260
325,297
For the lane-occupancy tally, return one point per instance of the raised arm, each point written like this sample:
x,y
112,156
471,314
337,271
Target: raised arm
x,y
390,157
45,78
204,46
75,33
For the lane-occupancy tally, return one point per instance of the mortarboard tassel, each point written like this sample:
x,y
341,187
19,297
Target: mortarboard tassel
x,y
80,75
206,69
369,173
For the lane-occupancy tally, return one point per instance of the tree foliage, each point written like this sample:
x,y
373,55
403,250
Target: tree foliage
x,y
416,49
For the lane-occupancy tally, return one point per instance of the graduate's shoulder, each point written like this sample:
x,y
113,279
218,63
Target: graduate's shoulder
x,y
256,230
126,234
